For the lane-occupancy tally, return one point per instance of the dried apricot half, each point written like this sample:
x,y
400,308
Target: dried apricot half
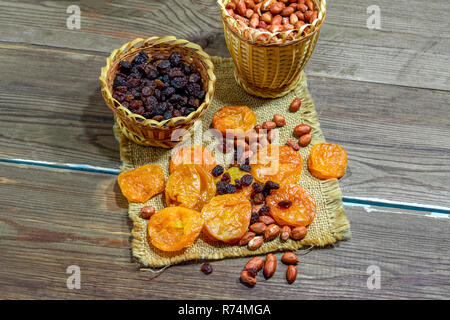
x,y
174,228
280,164
227,217
195,154
327,161
291,205
234,119
190,186
142,183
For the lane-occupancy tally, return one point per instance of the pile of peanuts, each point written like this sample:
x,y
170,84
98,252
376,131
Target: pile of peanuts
x,y
252,267
273,16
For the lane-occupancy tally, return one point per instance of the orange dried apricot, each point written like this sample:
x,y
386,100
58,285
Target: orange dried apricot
x,y
234,119
142,183
227,217
327,161
275,163
236,173
190,186
291,205
174,228
195,154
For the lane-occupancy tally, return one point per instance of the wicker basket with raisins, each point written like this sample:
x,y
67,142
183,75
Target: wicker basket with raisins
x,y
156,86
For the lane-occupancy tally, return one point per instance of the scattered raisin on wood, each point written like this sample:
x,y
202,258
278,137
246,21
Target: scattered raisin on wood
x,y
206,268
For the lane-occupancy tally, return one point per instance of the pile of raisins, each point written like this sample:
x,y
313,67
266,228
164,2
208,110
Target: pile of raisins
x,y
159,87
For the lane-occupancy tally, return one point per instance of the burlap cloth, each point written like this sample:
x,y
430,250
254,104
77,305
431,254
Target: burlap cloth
x,y
330,223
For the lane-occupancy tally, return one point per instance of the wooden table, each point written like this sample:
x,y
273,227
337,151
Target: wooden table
x,y
382,94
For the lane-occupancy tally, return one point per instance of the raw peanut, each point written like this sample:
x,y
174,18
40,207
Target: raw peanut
x,y
267,220
302,7
255,263
293,1
289,258
247,278
257,128
251,137
294,145
269,125
249,13
301,129
279,120
305,140
231,5
263,25
309,4
299,233
285,20
254,21
314,16
285,233
243,19
245,155
255,243
258,227
271,135
236,2
275,28
299,24
277,7
295,105
267,17
301,1
231,12
256,209
286,12
293,19
291,274
277,19
250,4
288,27
293,5
246,238
300,15
271,232
266,4
284,1
146,212
241,7
308,16
270,266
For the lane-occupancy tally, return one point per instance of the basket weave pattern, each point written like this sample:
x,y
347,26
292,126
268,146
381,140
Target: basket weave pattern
x,y
269,69
148,132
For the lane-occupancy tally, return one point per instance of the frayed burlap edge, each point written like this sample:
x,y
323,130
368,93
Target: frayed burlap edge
x,y
338,222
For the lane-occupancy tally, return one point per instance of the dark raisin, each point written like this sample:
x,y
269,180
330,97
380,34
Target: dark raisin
x,y
237,184
167,115
125,67
175,72
230,188
270,185
133,83
176,113
285,204
226,177
193,68
221,187
245,167
157,94
201,95
119,96
168,92
141,58
163,65
206,268
188,111
257,187
195,77
258,198
119,81
122,89
217,171
254,219
246,180
194,102
264,210
179,82
135,104
176,59
140,111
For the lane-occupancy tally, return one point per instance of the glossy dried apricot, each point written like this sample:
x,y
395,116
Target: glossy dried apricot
x,y
236,173
300,212
174,228
190,186
280,164
142,183
227,217
195,154
234,119
327,161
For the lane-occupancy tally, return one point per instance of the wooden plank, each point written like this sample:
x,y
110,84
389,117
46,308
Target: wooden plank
x,y
51,219
398,138
400,53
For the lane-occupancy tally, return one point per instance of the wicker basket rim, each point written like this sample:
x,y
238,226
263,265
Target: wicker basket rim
x,y
316,24
154,41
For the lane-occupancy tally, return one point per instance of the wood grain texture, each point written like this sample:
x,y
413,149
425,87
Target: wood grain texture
x,y
400,53
398,138
51,219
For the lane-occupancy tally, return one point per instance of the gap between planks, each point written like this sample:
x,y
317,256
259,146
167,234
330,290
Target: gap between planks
x,y
366,203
